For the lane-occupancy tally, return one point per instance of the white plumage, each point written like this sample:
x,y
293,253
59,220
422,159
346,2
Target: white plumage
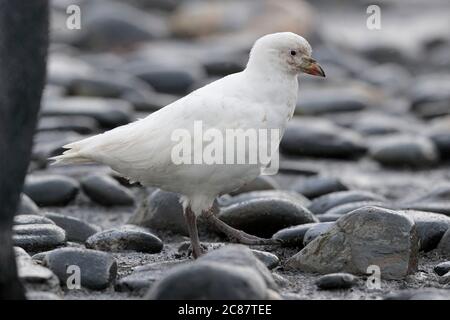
x,y
263,96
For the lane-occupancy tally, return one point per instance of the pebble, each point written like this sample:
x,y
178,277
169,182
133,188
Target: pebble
x,y
38,237
98,270
334,281
231,272
125,238
209,281
259,184
314,187
330,100
264,194
264,217
31,219
326,202
27,206
315,231
106,191
118,26
33,275
162,211
442,268
143,277
419,294
78,124
402,150
367,236
430,95
51,190
293,236
319,138
76,229
349,207
430,227
269,259
109,113
444,244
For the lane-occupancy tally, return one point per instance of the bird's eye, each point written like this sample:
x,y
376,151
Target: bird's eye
x,y
293,52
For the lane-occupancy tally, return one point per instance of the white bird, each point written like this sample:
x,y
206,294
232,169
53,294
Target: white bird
x,y
263,96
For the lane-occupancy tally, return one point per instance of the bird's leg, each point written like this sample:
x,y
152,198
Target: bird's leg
x,y
235,234
191,221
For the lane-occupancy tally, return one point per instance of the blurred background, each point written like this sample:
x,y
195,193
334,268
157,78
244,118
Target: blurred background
x,y
384,103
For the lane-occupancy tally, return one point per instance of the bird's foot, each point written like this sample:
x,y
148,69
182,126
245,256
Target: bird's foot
x,y
188,249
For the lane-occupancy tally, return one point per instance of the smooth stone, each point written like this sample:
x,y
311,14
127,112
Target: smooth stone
x,y
315,231
345,208
441,139
264,194
324,203
314,187
162,211
98,270
402,150
42,295
165,80
237,255
51,190
78,124
106,191
328,217
76,229
269,259
38,237
27,206
33,275
442,268
118,26
372,124
330,100
320,138
391,77
444,244
430,227
31,219
442,207
365,237
109,113
293,236
125,238
259,184
334,281
143,277
419,294
264,217
430,95
210,281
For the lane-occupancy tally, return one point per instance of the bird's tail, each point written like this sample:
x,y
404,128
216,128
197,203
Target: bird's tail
x,y
71,156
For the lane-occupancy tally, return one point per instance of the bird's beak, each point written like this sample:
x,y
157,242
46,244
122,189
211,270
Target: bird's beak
x,y
310,66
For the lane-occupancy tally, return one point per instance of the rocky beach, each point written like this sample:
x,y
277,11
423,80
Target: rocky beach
x,y
361,201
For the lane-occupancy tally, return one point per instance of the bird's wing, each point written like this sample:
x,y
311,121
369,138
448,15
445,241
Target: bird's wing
x,y
148,144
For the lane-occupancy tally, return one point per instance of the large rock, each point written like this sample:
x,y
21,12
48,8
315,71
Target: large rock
x,y
97,269
27,206
365,237
51,190
264,217
320,138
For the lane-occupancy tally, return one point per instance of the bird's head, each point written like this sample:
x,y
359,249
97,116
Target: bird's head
x,y
285,51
